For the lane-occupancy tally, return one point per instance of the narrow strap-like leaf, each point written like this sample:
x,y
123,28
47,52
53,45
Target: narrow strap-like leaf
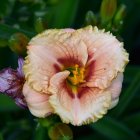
x,y
114,130
133,121
127,96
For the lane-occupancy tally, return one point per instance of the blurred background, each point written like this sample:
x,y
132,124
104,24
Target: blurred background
x,y
20,20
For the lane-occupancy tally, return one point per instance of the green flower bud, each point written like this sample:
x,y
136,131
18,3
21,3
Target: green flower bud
x,y
39,26
90,18
18,43
108,9
118,19
60,131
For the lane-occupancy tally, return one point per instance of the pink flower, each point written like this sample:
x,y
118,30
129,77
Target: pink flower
x,y
76,74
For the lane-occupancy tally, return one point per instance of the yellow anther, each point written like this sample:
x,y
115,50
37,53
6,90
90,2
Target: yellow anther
x,y
75,72
76,67
78,75
82,70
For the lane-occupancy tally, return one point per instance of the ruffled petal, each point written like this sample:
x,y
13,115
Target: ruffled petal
x,y
115,89
37,102
106,56
91,106
49,53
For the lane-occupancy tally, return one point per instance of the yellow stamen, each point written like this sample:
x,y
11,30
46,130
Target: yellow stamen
x,y
76,67
78,75
75,74
82,70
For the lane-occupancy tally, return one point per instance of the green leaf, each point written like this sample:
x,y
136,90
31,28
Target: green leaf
x,y
5,7
131,72
3,42
133,121
133,106
92,136
1,137
22,124
26,1
48,121
40,133
63,14
6,31
127,96
7,104
114,130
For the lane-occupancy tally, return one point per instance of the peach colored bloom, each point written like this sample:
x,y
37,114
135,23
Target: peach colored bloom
x,y
76,74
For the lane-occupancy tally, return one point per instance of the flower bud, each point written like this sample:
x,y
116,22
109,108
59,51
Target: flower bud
x,y
120,15
108,9
39,26
60,131
90,18
18,43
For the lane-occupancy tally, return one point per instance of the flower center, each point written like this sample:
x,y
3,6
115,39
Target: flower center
x,y
76,75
